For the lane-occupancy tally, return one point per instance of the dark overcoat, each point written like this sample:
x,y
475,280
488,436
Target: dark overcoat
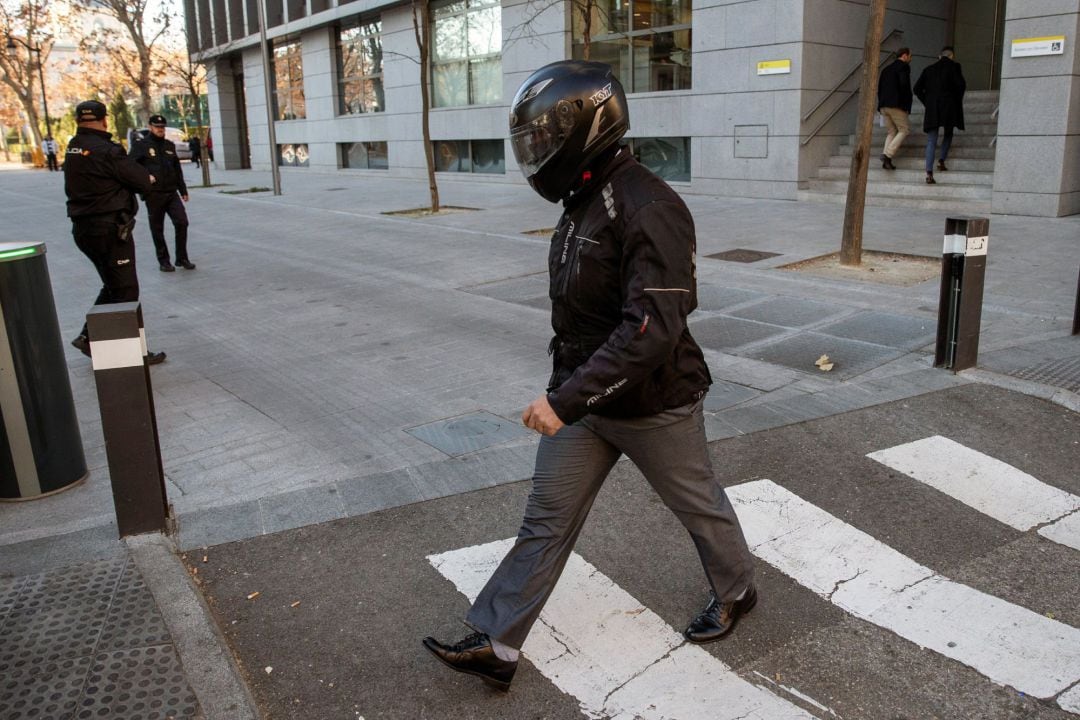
x,y
894,87
940,88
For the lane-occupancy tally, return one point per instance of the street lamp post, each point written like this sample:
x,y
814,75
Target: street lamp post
x,y
11,40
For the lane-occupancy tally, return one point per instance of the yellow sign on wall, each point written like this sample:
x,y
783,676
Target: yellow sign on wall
x,y
1030,47
774,67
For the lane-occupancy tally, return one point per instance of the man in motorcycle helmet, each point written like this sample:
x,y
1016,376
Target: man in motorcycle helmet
x,y
627,376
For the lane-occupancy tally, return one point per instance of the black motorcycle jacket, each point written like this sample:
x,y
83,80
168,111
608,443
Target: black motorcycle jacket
x,y
159,157
623,282
99,177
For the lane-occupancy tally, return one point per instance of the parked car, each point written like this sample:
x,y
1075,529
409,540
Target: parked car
x,y
175,134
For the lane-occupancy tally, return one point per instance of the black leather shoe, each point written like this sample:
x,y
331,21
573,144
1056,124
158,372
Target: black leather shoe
x,y
82,344
475,656
887,163
186,264
153,358
718,619
930,179
941,166
166,267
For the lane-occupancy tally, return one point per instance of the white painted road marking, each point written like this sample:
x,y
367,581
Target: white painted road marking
x,y
617,657
989,485
1007,643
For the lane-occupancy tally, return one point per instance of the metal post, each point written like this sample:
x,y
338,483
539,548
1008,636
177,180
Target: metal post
x,y
275,171
963,266
118,350
1076,311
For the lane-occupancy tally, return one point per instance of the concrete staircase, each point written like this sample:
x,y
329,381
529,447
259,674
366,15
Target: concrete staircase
x,y
965,188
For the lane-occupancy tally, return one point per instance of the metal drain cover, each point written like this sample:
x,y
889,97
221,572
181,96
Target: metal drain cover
x,y
742,255
468,433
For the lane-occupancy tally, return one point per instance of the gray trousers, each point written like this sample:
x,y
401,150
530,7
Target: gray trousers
x,y
669,448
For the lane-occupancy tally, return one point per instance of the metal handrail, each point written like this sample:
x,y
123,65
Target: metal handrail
x,y
836,88
994,117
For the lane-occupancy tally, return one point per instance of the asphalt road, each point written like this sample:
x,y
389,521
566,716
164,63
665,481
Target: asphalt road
x,y
335,629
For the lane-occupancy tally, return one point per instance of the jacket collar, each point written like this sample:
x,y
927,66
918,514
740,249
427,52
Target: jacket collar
x,y
600,176
91,131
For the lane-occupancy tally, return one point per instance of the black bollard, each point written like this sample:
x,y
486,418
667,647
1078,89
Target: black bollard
x,y
1076,310
963,267
118,351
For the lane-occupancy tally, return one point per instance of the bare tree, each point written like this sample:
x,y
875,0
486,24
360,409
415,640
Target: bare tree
x,y
26,24
851,242
421,16
193,76
587,12
134,55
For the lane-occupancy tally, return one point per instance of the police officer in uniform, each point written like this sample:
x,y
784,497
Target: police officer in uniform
x,y
158,156
628,378
101,181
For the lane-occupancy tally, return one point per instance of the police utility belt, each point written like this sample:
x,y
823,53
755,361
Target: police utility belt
x,y
124,219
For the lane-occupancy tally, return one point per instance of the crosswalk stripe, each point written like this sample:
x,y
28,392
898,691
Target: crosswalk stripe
x,y
1005,642
989,485
618,658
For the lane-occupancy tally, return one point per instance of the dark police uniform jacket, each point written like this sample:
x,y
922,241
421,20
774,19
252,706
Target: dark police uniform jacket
x,y
623,282
99,177
159,157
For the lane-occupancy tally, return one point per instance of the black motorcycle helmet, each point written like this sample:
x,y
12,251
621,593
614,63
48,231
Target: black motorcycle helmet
x,y
562,118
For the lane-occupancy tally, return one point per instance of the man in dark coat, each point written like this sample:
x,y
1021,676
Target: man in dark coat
x,y
894,104
167,197
940,88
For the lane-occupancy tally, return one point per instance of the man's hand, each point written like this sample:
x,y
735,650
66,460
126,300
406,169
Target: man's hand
x,y
153,179
184,198
540,417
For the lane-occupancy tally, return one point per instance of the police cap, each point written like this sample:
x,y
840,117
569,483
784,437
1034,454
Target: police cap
x,y
89,111
158,120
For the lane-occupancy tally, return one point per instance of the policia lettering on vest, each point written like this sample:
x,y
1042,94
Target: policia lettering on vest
x,y
101,181
627,376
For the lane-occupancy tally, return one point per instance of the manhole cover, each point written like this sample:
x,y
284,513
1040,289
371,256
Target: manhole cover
x,y
468,433
742,255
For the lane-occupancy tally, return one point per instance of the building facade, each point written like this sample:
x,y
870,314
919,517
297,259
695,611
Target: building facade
x,y
744,98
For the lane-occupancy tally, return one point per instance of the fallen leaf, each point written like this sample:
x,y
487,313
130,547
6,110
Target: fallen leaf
x,y
824,364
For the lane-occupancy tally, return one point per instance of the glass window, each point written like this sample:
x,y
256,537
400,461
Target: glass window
x,y
466,60
289,100
360,69
668,157
367,155
470,156
647,42
293,155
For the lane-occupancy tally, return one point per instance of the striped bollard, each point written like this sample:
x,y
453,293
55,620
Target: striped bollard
x,y
118,350
963,268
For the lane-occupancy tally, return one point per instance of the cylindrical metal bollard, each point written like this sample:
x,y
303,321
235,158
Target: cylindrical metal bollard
x,y
41,451
1076,310
963,267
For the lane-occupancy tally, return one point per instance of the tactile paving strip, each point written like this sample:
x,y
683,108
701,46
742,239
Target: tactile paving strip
x,y
468,433
88,641
146,683
727,333
1063,373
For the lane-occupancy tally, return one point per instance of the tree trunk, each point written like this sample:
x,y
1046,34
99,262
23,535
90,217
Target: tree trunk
x,y
3,141
420,27
851,244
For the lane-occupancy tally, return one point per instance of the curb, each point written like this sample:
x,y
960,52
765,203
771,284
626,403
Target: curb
x,y
208,663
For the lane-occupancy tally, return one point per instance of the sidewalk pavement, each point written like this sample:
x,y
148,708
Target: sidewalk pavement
x,y
327,360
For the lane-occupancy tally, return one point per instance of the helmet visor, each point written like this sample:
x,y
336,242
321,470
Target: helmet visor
x,y
536,142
